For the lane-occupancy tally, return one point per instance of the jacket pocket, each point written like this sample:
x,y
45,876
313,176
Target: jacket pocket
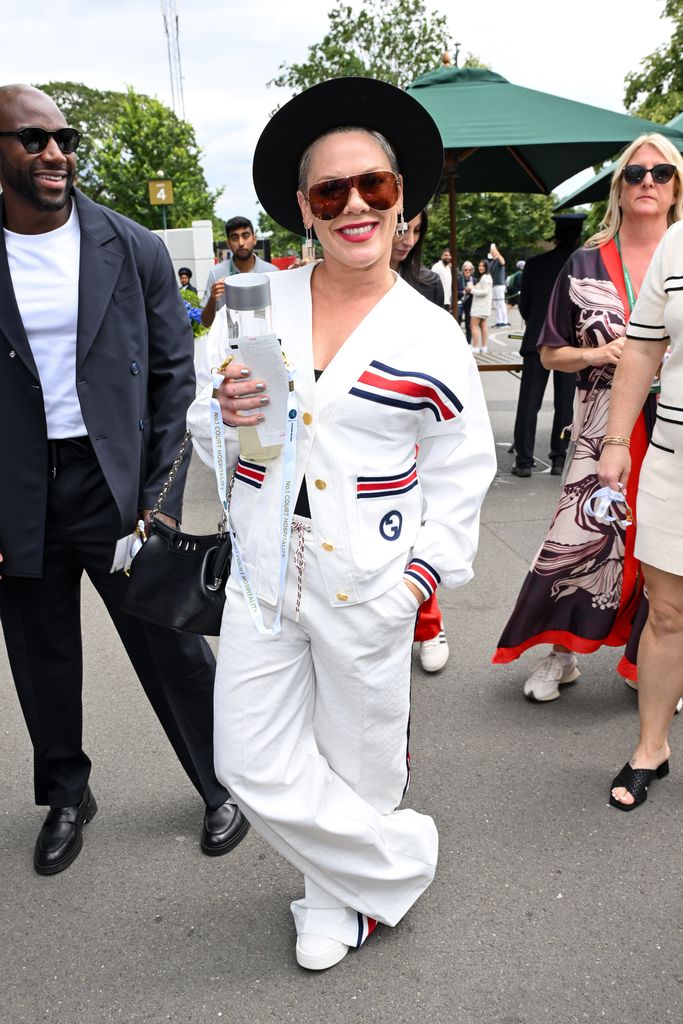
x,y
128,291
388,513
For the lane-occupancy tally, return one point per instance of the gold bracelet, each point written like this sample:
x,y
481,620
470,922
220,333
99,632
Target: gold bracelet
x,y
616,439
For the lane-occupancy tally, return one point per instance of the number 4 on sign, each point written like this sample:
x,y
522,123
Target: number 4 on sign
x,y
160,192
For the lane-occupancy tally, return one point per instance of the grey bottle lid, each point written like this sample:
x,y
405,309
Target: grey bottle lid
x,y
247,292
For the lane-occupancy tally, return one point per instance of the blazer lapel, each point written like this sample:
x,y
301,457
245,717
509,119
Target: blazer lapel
x,y
11,324
366,343
100,267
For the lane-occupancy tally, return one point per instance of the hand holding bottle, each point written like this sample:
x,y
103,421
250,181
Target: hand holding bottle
x,y
241,398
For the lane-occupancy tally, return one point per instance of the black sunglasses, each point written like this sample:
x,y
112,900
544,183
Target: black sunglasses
x,y
35,140
661,173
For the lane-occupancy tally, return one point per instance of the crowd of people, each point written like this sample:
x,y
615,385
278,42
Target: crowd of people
x,y
342,534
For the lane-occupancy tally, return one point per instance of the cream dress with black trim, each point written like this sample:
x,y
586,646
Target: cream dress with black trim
x,y
658,316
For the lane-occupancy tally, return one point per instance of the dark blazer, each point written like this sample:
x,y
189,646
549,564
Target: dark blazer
x,y
134,376
538,279
428,284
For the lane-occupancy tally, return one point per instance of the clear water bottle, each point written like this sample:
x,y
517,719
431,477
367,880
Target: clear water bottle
x,y
250,330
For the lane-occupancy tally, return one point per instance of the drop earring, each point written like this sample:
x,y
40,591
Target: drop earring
x,y
401,226
309,245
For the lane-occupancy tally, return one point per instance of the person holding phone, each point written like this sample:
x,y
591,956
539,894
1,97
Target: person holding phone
x,y
497,271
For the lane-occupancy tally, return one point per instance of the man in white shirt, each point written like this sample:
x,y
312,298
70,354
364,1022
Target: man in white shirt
x,y
97,358
444,268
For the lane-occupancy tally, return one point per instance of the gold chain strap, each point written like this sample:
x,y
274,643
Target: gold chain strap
x,y
172,475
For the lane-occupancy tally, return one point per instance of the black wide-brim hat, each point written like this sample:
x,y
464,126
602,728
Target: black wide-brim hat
x,y
339,103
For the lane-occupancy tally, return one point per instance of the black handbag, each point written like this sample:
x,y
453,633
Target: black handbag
x,y
177,580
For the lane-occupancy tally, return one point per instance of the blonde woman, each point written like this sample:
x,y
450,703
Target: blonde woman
x,y
585,590
482,298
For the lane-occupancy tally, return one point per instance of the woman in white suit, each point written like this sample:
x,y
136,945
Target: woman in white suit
x,y
312,722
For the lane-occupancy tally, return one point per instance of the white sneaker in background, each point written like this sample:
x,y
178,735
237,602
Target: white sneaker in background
x,y
551,672
634,686
434,653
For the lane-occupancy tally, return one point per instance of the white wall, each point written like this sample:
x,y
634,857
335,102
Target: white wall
x,y
191,247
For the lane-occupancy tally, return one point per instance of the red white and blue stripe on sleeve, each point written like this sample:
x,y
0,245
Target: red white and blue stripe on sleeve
x,y
407,389
423,575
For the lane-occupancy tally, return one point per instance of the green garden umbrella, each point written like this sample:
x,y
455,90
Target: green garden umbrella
x,y
500,137
598,187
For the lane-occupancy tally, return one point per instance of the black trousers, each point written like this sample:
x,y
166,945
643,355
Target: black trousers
x,y
41,620
466,309
531,391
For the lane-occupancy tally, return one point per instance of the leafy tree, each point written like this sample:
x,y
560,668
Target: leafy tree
x,y
282,241
127,139
656,91
516,222
393,40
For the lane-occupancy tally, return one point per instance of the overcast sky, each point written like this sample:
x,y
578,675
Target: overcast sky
x,y
231,48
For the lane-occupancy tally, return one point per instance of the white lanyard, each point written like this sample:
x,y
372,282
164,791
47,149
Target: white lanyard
x,y
287,502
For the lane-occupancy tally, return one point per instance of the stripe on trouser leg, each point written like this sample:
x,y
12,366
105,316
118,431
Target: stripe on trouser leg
x,y
405,788
366,926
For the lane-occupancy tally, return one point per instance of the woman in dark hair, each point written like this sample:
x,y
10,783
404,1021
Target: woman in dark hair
x,y
406,260
406,253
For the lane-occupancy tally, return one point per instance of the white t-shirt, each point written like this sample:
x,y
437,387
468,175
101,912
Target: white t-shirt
x,y
446,275
45,270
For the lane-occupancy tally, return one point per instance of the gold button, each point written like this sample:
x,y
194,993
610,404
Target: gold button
x,y
328,547
307,418
321,485
342,597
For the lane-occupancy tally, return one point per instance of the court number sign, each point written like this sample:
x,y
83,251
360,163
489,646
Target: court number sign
x,y
160,192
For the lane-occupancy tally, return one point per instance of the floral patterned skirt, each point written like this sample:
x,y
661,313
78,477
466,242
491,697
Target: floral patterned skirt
x,y
584,588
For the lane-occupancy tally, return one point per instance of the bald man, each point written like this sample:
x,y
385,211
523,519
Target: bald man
x,y
98,357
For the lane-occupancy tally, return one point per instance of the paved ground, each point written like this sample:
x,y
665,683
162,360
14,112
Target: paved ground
x,y
548,907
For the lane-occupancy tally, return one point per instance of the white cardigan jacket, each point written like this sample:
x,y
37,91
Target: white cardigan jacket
x,y
404,378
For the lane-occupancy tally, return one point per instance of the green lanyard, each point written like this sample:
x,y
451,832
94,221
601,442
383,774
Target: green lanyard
x,y
630,293
631,296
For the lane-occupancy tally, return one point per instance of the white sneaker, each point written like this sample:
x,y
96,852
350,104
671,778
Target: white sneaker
x,y
318,952
544,682
434,653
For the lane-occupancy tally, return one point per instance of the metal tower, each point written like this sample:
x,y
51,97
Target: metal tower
x,y
173,45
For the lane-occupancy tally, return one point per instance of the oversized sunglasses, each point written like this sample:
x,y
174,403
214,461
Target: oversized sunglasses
x,y
35,140
379,189
661,173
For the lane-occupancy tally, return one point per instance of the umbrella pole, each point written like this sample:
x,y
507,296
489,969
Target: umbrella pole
x,y
453,242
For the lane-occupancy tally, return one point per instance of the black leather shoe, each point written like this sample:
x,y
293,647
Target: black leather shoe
x,y
60,840
520,470
557,468
223,828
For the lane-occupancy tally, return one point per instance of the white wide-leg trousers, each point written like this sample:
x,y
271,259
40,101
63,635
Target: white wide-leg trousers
x,y
311,739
